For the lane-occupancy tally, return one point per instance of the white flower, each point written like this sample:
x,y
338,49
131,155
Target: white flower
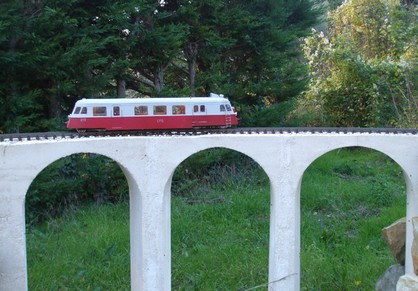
x,y
126,32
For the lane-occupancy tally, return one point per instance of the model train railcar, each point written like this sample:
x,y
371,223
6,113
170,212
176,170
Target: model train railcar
x,y
152,113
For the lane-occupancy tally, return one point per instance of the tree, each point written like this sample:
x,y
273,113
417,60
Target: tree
x,y
234,47
57,51
198,18
52,55
19,106
363,73
257,61
334,3
69,46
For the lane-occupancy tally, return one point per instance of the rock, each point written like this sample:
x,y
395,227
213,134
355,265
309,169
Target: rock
x,y
414,249
387,282
394,235
407,283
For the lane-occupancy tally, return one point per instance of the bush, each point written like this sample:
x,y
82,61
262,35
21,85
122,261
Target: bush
x,y
363,73
71,181
213,167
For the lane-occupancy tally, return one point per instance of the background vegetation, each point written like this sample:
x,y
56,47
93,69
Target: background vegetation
x,y
359,69
74,181
364,67
57,51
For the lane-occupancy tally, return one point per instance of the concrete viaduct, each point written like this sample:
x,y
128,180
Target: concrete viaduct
x,y
148,163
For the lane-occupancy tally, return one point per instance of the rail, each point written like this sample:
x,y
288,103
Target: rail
x,y
201,131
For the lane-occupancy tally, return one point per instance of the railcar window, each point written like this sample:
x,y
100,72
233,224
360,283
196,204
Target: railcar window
x,y
222,107
116,110
99,111
202,108
141,110
195,108
84,110
160,110
228,107
179,109
77,110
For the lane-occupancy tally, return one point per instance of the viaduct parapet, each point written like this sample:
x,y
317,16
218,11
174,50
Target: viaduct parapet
x,y
149,162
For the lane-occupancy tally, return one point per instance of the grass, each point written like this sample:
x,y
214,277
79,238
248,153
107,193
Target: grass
x,y
228,236
83,250
220,232
348,196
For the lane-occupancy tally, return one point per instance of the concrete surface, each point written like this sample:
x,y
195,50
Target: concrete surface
x,y
149,163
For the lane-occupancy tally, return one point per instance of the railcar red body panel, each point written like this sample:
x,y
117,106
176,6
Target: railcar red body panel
x,y
152,113
132,123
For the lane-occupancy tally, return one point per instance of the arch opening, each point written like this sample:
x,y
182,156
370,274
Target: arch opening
x,y
77,216
220,222
347,196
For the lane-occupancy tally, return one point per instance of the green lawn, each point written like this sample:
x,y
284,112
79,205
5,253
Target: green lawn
x,y
220,232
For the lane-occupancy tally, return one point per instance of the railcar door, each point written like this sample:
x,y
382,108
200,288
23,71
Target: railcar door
x,y
116,121
199,115
227,110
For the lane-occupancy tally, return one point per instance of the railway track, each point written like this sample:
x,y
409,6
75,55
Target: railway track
x,y
187,132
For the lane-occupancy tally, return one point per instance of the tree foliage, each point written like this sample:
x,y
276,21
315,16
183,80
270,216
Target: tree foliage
x,y
57,51
364,70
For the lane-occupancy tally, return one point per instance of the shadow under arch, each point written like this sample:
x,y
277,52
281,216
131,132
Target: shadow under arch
x,y
70,248
220,221
347,196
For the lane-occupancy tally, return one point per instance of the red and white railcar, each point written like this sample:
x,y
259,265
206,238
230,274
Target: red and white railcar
x,y
152,113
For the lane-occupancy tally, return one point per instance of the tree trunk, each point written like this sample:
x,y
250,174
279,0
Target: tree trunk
x,y
192,76
159,79
191,55
121,88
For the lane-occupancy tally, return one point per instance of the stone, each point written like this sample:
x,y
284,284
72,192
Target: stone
x,y
394,235
387,282
414,248
407,283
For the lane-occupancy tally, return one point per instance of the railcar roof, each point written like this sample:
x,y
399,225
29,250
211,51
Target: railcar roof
x,y
167,100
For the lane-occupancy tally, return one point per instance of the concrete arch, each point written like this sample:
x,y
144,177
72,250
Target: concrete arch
x,y
27,165
173,162
409,171
228,150
276,161
133,193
